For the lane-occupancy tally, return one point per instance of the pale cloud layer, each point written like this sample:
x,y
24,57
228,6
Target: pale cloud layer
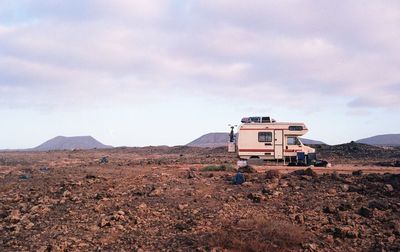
x,y
54,53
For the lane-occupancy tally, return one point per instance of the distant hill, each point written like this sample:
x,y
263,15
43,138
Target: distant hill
x,y
382,140
310,141
221,139
211,140
70,143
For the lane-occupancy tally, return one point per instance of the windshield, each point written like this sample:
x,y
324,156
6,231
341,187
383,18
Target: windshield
x,y
292,140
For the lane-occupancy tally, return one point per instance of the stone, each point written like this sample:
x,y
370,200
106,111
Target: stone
x,y
365,212
344,232
329,239
191,174
15,216
344,187
283,183
312,247
329,209
142,206
388,188
345,206
104,222
378,204
299,218
355,188
156,192
29,225
357,173
310,172
66,194
247,169
90,176
270,174
182,206
277,193
332,191
391,239
255,197
266,191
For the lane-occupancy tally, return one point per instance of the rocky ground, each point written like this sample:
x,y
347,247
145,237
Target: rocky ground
x,y
162,199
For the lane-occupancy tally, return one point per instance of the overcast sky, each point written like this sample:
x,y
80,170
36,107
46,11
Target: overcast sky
x,y
159,72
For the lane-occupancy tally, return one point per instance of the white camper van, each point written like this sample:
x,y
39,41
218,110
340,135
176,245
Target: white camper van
x,y
271,140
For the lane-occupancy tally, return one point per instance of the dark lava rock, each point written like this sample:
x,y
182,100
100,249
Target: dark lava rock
x,y
378,204
310,172
393,179
345,232
365,212
247,169
329,209
345,206
357,173
355,188
374,177
306,172
90,176
190,174
255,197
270,174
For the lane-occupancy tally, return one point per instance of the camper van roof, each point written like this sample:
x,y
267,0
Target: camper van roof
x,y
294,128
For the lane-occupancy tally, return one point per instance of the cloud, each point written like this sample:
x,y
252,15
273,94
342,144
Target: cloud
x,y
297,53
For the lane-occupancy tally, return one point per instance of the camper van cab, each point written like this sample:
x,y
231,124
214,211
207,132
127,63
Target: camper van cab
x,y
271,140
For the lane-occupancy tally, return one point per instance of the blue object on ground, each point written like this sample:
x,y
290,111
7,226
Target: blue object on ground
x,y
238,179
104,160
301,157
25,176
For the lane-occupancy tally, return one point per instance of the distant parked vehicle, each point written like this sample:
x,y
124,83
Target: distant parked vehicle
x,y
264,138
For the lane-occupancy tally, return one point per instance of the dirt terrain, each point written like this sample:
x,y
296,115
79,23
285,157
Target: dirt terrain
x,y
172,199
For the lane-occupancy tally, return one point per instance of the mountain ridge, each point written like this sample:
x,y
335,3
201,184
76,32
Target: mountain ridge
x,y
71,143
382,140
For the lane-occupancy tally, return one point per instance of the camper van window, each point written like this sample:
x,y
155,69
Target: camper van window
x,y
296,128
265,136
293,141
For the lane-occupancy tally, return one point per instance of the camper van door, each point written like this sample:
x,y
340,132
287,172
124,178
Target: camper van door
x,y
278,146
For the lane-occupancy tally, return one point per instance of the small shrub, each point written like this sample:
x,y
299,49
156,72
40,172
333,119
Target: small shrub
x,y
218,168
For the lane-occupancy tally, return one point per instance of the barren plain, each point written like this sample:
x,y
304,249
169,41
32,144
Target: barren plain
x,y
182,199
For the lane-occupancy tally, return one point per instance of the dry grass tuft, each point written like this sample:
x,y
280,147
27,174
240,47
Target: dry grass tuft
x,y
259,234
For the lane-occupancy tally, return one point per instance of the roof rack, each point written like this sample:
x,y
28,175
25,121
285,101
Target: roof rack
x,y
258,119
